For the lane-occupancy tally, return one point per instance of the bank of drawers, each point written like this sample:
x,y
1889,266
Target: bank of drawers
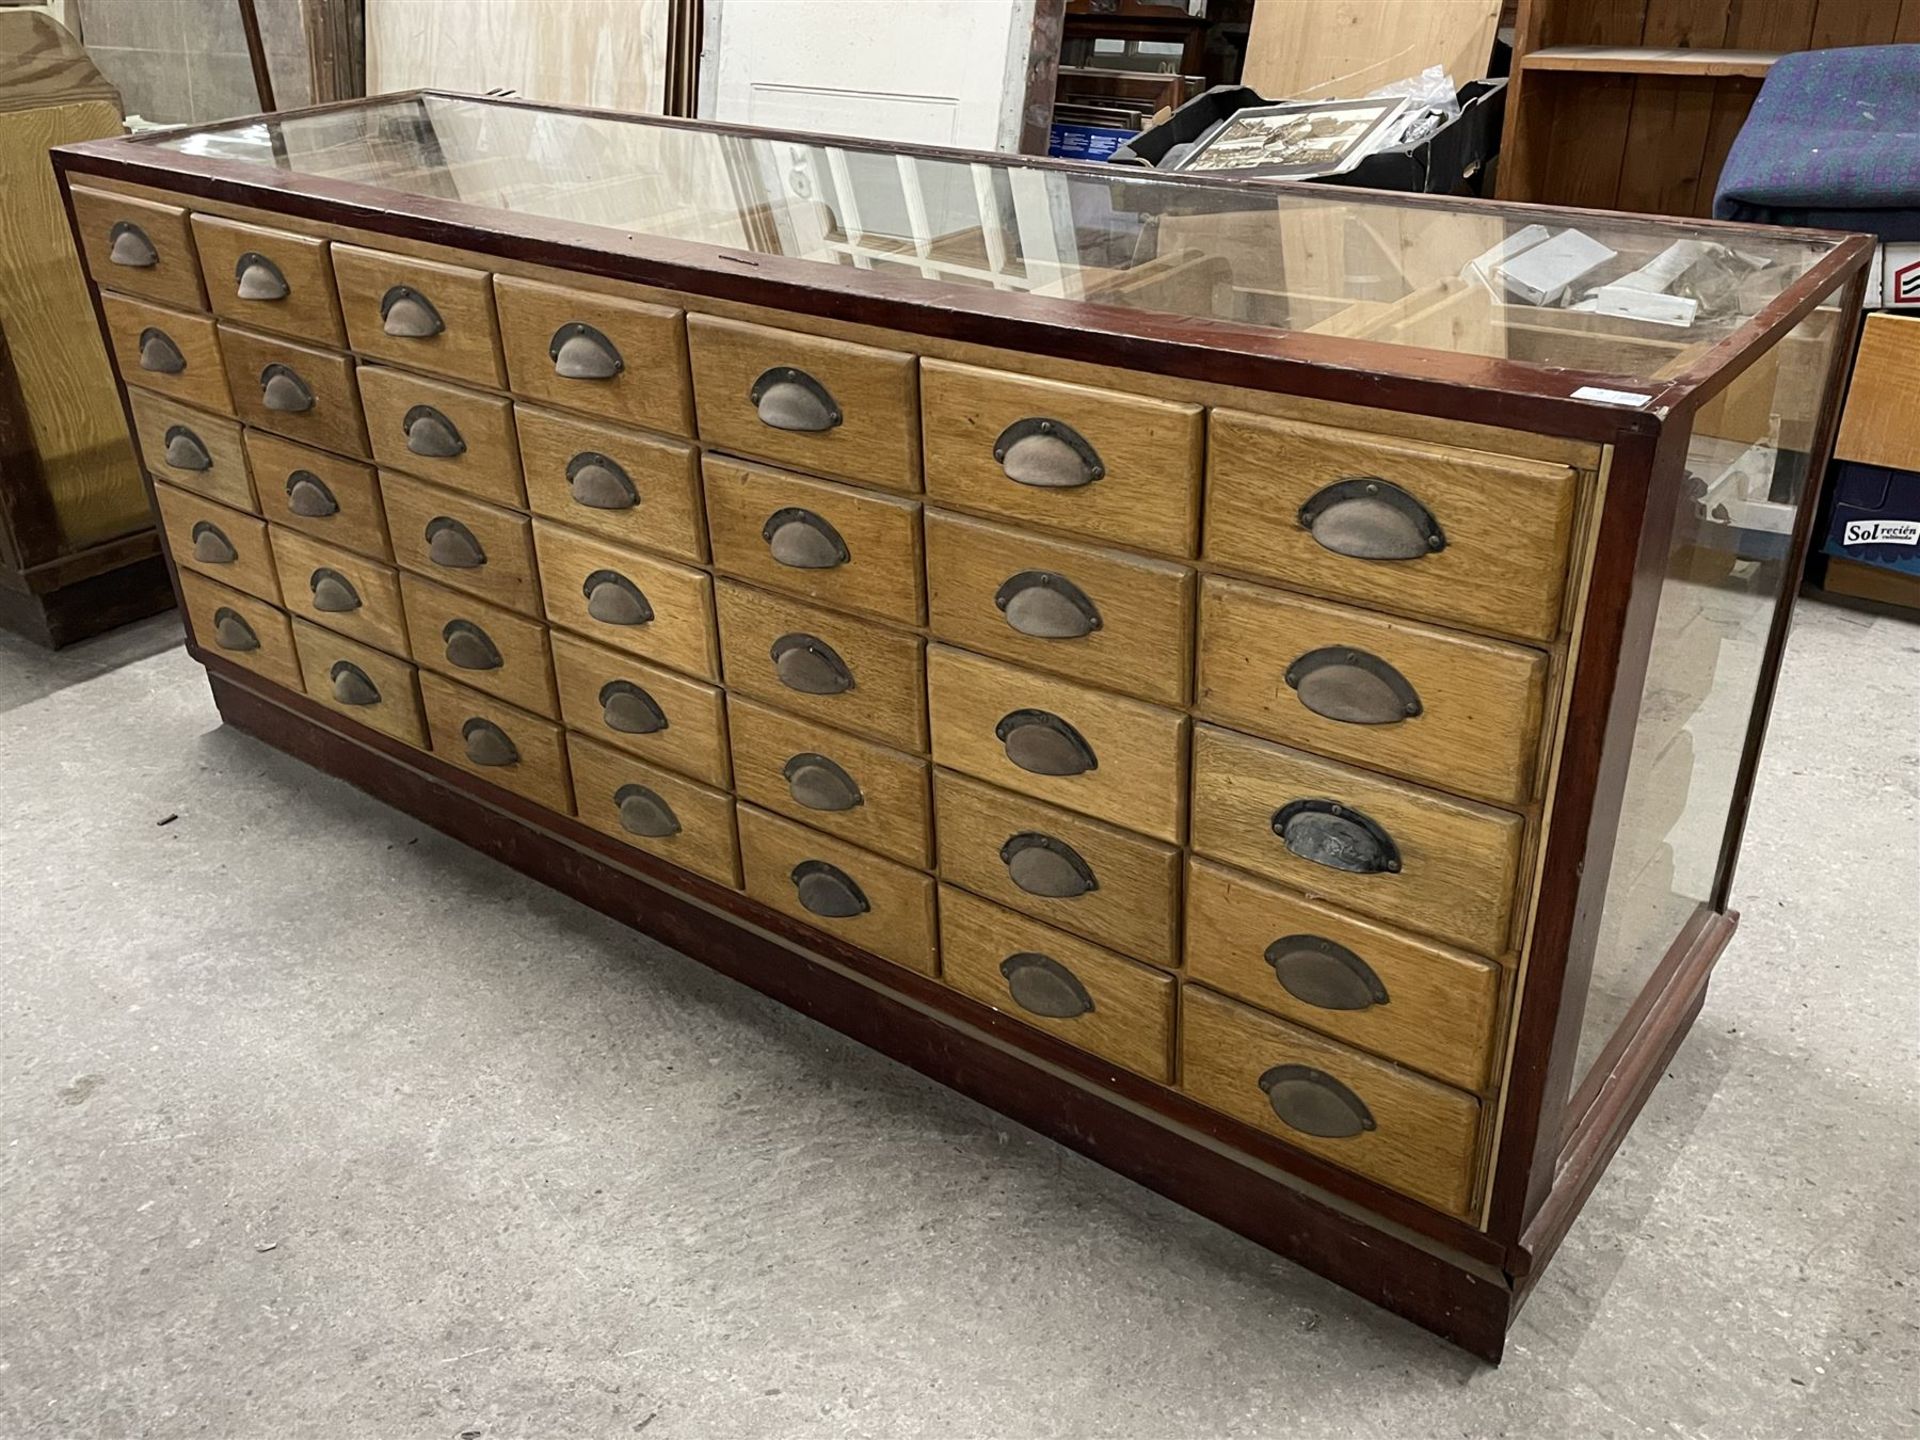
x,y
1204,742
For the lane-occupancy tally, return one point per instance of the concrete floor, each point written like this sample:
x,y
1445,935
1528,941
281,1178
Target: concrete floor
x,y
314,1123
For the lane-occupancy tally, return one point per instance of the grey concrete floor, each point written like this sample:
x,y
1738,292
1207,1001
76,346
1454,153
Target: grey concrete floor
x,y
314,1123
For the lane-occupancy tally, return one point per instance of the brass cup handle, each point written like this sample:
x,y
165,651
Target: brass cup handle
x,y
810,665
613,599
645,812
255,277
1314,1103
186,451
625,707
232,632
309,496
828,891
1048,867
789,399
432,435
129,246
820,784
159,355
801,540
332,592
1041,985
452,546
600,482
1047,455
487,744
284,392
468,647
1367,518
1047,606
406,314
1323,973
351,685
1041,743
580,352
1325,832
211,545
1353,687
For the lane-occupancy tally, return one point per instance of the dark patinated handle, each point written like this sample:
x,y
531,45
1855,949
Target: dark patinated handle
x,y
186,450
1337,836
1047,455
406,314
487,744
1047,606
128,245
1368,518
1324,973
255,277
789,399
283,391
820,784
158,354
452,546
810,665
332,592
432,434
630,710
1042,865
1314,1103
211,545
469,647
613,599
802,540
828,891
1042,985
1353,687
232,632
351,685
1041,743
580,352
600,482
309,495
645,812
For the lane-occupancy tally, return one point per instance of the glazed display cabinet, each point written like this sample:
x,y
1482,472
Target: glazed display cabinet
x,y
1253,682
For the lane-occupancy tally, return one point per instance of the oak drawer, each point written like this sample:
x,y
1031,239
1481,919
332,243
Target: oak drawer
x,y
1423,1005
497,742
1105,884
420,313
452,436
319,494
192,449
362,683
240,628
1094,462
852,549
1445,708
817,404
840,889
624,359
1114,620
169,352
667,815
1102,755
1403,1130
1480,540
653,607
138,246
1419,859
468,544
1103,1003
269,279
620,485
861,791
851,674
293,390
340,590
224,545
478,644
655,713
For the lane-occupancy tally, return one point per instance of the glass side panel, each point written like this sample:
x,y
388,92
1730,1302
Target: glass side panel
x,y
1312,258
1727,573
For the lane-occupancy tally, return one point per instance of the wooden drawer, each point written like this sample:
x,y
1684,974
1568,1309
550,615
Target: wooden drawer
x,y
1102,755
500,744
478,548
756,387
1110,619
138,246
192,449
293,390
840,889
480,645
269,279
657,714
682,822
1103,1003
848,673
866,793
1422,860
335,588
1480,540
454,437
1413,1001
224,545
1403,1130
623,359
319,494
1438,706
169,352
362,683
420,313
652,607
1115,467
1105,884
237,627
848,548
617,484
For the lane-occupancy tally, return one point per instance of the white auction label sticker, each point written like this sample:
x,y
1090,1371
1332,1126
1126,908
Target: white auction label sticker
x,y
1610,397
1882,532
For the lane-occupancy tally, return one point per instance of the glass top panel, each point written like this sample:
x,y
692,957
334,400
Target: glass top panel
x,y
1631,298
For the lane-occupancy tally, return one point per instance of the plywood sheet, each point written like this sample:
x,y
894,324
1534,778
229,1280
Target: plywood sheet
x,y
1310,49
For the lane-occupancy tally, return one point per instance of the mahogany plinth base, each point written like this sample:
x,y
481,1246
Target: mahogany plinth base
x,y
83,608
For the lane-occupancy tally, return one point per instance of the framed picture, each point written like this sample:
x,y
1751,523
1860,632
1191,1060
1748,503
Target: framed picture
x,y
1296,141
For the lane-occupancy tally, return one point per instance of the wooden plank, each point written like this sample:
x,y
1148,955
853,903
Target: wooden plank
x,y
1666,140
1732,102
1640,60
1586,146
1771,24
1838,23
1314,49
1877,426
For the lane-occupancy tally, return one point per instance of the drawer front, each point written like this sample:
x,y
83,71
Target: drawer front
x,y
420,313
1068,457
1400,1129
617,484
480,645
623,359
847,673
1103,1003
839,889
1479,540
138,246
1447,709
1412,1001
820,405
237,627
362,683
666,815
168,352
1104,884
1425,861
192,449
862,792
1100,616
221,544
269,279
636,602
659,715
304,394
318,494
325,585
1102,755
454,437
500,744
848,548
475,547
